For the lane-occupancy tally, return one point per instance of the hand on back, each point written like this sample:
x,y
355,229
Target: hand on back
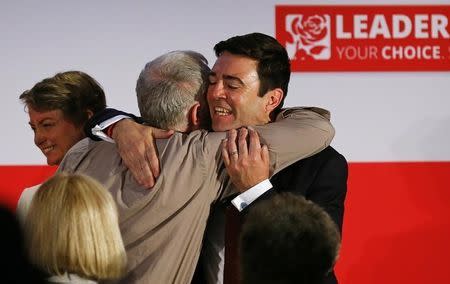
x,y
136,145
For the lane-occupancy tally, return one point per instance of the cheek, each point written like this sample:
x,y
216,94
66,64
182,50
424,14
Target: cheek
x,y
72,139
67,136
68,142
208,95
238,102
63,146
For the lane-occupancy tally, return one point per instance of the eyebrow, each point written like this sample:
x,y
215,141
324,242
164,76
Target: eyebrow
x,y
228,78
233,78
41,121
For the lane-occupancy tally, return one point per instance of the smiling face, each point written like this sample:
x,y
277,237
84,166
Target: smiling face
x,y
233,93
53,134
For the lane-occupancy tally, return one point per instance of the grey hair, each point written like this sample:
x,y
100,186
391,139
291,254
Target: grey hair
x,y
169,86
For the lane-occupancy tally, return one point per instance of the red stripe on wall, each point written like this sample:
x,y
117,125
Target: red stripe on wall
x,y
14,179
396,225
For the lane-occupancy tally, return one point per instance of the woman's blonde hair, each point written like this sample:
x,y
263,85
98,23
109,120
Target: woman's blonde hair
x,y
72,227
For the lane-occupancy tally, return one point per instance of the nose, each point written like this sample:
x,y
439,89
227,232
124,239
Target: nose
x,y
39,137
216,91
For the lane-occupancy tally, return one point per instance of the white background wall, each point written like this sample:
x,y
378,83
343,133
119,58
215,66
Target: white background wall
x,y
385,116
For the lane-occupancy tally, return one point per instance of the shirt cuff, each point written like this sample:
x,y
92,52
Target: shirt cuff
x,y
97,130
246,198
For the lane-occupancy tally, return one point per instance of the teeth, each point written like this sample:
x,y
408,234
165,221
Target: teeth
x,y
47,149
222,111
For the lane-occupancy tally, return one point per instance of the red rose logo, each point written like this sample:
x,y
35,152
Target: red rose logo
x,y
310,29
309,33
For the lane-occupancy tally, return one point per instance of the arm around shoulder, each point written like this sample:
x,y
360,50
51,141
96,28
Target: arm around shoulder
x,y
296,134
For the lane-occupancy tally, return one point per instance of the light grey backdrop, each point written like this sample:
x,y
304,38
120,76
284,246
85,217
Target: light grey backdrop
x,y
378,116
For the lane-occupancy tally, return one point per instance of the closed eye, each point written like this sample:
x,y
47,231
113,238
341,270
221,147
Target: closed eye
x,y
232,86
48,125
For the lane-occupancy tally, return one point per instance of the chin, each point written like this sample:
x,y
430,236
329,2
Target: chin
x,y
220,128
53,162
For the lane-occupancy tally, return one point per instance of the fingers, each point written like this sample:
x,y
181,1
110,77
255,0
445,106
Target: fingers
x,y
254,143
147,155
243,150
140,170
225,156
136,145
150,169
139,166
152,162
145,176
151,155
247,162
239,149
231,144
265,154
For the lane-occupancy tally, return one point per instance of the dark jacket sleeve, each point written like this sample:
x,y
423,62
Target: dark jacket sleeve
x,y
321,178
330,187
104,115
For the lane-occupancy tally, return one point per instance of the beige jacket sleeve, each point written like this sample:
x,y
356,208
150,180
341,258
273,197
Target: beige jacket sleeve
x,y
296,134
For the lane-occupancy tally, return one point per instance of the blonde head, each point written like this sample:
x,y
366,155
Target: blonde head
x,y
72,227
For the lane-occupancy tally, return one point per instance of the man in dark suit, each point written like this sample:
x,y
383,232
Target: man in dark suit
x,y
321,178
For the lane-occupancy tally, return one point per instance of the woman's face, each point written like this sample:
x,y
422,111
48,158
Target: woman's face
x,y
53,134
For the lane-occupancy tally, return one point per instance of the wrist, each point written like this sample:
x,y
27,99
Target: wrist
x,y
242,200
110,130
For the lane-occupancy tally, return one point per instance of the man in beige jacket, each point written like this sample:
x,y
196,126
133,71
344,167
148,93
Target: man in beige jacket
x,y
162,228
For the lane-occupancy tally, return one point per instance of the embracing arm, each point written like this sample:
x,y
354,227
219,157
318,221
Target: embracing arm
x,y
298,133
135,142
96,127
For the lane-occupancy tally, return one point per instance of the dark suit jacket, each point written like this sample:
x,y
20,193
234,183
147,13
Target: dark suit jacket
x,y
321,178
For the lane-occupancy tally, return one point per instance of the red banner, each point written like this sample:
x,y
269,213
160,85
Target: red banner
x,y
365,38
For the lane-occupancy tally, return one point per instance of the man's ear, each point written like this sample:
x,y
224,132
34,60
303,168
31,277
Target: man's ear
x,y
194,116
273,99
89,113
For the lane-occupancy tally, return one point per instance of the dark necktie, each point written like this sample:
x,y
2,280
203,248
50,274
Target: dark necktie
x,y
232,232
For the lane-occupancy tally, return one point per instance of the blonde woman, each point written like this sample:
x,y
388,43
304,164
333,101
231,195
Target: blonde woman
x,y
72,231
